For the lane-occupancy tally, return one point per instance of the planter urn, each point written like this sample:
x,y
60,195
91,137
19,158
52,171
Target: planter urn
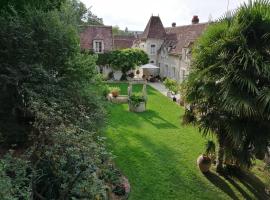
x,y
204,163
137,108
115,94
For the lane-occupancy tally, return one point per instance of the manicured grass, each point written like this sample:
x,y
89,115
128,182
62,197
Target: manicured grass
x,y
158,154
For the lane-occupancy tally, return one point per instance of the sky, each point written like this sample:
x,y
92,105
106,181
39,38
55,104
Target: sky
x,y
135,14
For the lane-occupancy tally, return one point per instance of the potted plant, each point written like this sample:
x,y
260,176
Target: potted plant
x,y
137,102
204,161
174,89
115,91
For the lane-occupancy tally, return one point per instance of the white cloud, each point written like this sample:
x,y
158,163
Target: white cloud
x,y
135,14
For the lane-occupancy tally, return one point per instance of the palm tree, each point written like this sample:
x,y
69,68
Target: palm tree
x,y
229,86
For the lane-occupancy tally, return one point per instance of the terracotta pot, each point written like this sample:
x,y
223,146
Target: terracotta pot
x,y
204,163
115,94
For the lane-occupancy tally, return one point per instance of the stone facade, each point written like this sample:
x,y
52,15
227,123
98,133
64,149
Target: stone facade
x,y
172,46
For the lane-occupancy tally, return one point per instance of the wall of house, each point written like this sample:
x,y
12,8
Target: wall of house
x,y
173,66
146,46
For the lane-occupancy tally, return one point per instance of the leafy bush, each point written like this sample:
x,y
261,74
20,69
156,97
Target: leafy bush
x,y
127,59
15,178
105,90
115,89
171,85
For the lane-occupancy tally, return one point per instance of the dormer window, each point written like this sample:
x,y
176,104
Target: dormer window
x,y
98,46
153,49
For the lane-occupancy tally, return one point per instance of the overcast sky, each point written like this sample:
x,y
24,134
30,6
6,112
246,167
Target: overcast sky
x,y
135,14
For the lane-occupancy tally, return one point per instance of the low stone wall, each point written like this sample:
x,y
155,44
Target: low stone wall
x,y
120,99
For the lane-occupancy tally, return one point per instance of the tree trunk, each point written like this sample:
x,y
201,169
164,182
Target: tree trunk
x,y
220,156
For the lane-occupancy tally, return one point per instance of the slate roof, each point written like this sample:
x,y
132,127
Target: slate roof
x,y
96,32
180,37
123,41
154,29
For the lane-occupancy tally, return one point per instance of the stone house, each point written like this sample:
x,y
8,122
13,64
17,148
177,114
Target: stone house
x,y
168,48
99,39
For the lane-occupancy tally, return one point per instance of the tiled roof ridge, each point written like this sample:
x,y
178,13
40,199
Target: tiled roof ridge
x,y
187,25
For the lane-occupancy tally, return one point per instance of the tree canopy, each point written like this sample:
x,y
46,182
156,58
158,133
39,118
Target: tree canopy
x,y
127,59
51,108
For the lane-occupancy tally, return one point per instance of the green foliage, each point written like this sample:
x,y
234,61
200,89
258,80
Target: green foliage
x,y
84,15
210,148
19,5
51,103
230,82
105,90
127,59
115,89
15,178
136,98
117,31
171,85
104,59
124,60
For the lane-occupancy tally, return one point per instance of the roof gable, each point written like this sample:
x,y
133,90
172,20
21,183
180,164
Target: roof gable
x,y
96,32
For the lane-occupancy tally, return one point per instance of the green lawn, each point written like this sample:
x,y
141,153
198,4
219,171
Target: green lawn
x,y
158,155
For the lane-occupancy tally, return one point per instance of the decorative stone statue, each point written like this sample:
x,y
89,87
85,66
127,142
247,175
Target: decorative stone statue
x,y
129,89
144,92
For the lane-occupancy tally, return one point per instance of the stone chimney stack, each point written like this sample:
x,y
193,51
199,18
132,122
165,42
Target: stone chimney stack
x,y
195,19
173,24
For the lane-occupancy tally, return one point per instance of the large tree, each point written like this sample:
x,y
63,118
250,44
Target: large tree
x,y
51,109
127,59
229,87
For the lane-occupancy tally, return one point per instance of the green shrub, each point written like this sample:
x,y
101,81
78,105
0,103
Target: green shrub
x,y
171,85
115,89
51,103
136,98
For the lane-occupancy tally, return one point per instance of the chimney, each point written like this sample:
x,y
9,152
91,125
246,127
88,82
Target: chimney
x,y
195,19
173,24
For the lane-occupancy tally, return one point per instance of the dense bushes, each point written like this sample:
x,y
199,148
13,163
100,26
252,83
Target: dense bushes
x,y
51,110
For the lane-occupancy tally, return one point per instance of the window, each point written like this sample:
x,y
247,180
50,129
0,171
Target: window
x,y
173,69
152,61
153,49
183,74
167,70
98,46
